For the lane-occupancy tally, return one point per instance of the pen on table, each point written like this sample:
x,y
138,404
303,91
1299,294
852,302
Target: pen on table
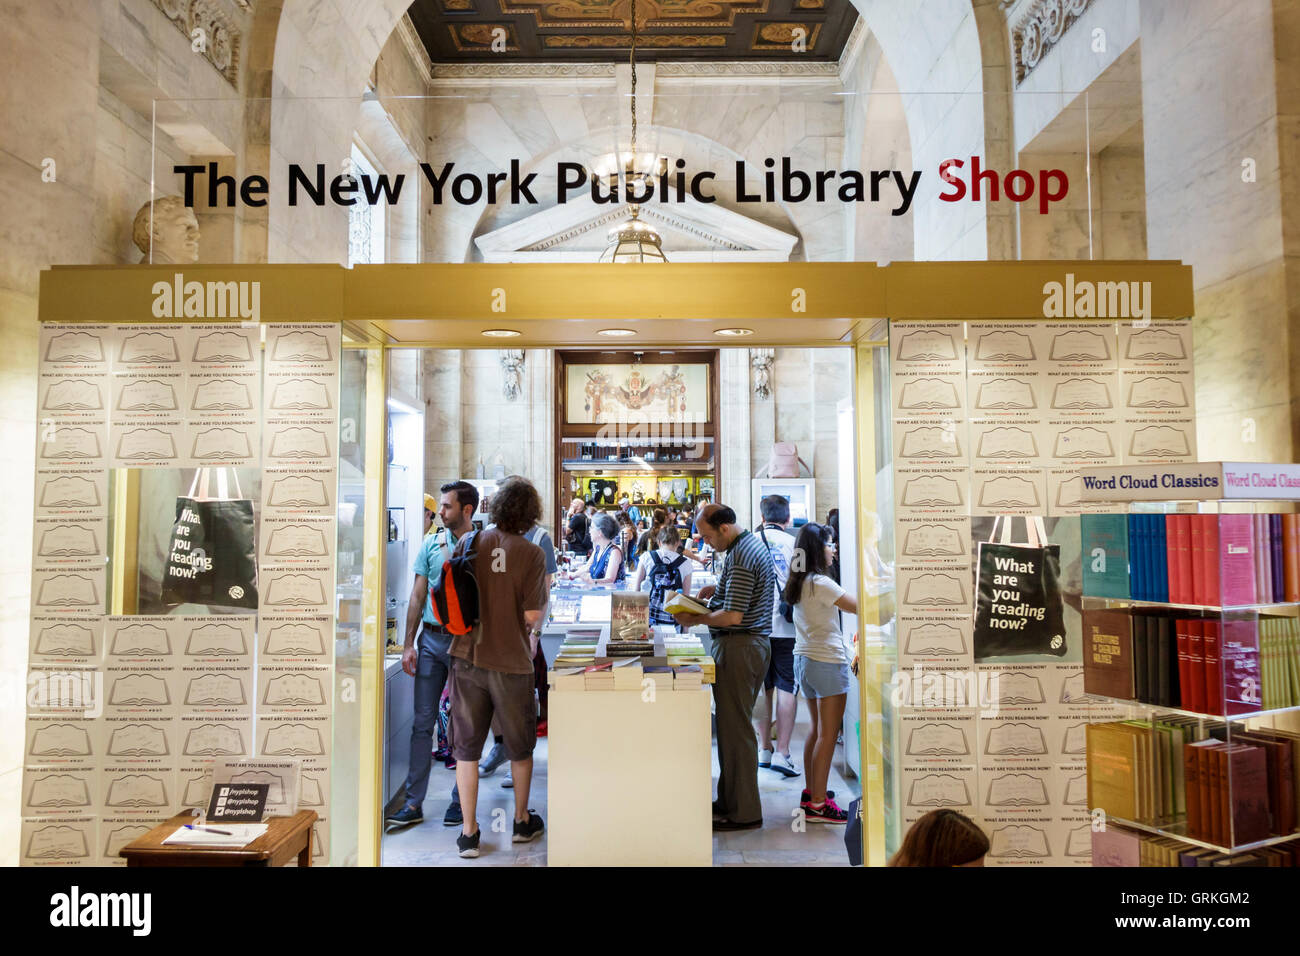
x,y
199,826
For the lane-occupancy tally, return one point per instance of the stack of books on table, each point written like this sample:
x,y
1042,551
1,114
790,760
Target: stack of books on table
x,y
708,670
567,678
599,677
627,673
661,675
579,647
687,677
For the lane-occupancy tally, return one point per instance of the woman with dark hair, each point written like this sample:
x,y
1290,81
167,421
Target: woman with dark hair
x,y
647,542
942,838
821,661
606,565
627,535
833,522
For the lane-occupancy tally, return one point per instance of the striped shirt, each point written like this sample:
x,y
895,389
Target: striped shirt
x,y
747,584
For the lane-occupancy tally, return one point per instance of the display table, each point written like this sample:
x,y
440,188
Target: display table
x,y
629,782
286,838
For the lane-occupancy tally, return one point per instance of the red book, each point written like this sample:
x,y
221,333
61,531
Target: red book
x,y
1245,785
1210,559
1184,664
1213,667
1184,532
1196,551
1218,773
1194,689
1171,560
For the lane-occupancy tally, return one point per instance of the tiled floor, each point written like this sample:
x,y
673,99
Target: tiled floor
x,y
778,843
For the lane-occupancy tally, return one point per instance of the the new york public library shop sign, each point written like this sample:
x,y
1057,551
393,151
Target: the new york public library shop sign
x,y
773,180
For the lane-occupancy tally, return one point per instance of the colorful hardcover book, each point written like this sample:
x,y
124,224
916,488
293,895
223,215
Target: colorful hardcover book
x,y
1261,554
1184,663
1166,660
1213,559
1195,524
1106,555
1194,689
1141,680
1108,653
1237,558
1291,556
1137,558
1239,654
1246,791
1161,557
1210,637
1183,552
1275,544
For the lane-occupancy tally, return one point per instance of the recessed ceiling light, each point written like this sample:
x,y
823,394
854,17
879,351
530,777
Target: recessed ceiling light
x,y
501,333
733,332
616,332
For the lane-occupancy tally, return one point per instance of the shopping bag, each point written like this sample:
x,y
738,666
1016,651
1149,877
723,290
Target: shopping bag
x,y
1018,607
211,557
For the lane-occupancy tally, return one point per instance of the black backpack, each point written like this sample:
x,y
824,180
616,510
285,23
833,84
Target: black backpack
x,y
454,595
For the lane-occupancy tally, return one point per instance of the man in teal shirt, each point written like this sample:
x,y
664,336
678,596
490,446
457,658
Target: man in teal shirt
x,y
429,662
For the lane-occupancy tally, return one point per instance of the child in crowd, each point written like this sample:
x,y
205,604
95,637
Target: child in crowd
x,y
665,570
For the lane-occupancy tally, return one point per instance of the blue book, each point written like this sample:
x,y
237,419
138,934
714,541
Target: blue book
x,y
1137,558
1105,555
1154,558
1161,554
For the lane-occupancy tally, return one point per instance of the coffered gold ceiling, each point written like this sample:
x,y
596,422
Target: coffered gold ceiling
x,y
460,31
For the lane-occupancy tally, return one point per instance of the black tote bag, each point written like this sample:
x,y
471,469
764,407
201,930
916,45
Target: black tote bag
x,y
1018,608
211,556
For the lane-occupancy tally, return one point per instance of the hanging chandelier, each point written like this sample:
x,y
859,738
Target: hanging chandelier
x,y
633,240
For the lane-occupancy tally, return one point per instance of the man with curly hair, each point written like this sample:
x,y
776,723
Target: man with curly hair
x,y
492,665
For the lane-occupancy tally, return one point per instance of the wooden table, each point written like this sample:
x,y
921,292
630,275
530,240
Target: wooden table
x,y
285,839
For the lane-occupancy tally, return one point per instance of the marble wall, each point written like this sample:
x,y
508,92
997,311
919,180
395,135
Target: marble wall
x,y
1199,130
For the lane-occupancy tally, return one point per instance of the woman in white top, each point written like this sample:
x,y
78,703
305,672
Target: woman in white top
x,y
821,661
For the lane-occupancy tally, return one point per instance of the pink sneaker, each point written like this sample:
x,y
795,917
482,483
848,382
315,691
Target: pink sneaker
x,y
828,812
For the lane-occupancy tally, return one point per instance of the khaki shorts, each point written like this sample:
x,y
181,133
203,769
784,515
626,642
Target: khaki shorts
x,y
476,695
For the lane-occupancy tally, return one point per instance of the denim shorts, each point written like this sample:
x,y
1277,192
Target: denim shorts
x,y
816,679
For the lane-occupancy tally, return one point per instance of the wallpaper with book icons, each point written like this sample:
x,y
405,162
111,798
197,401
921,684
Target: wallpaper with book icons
x,y
993,421
159,698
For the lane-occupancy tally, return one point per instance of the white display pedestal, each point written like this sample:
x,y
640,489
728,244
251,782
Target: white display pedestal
x,y
629,782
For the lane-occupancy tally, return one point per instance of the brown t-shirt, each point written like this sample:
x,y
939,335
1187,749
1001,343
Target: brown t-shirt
x,y
511,574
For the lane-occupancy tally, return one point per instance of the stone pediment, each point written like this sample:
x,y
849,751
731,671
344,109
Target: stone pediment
x,y
692,232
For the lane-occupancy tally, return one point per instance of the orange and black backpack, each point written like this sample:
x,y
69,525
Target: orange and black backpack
x,y
454,595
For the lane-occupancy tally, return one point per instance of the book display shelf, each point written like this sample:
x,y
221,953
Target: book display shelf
x,y
1191,626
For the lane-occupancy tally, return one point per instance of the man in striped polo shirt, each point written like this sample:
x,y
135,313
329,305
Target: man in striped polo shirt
x,y
740,620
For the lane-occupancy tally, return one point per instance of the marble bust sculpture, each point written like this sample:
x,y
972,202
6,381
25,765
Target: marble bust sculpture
x,y
174,236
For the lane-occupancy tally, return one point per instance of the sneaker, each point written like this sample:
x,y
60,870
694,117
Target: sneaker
x,y
495,758
782,764
453,817
405,817
765,758
828,812
806,796
467,846
509,781
528,830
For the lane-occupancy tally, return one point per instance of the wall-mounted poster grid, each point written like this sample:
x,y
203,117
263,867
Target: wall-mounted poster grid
x,y
991,423
126,714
